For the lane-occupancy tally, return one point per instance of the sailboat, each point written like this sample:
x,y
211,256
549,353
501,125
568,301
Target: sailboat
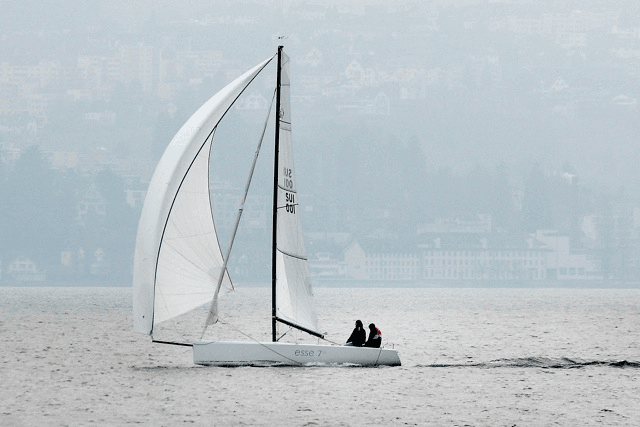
x,y
178,262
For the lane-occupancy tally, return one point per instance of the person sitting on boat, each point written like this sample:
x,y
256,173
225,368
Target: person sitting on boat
x,y
358,336
375,337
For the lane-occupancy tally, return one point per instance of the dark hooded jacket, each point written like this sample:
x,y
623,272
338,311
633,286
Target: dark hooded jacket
x,y
358,336
375,337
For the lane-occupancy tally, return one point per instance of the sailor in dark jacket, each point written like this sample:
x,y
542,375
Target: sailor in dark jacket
x,y
375,337
358,336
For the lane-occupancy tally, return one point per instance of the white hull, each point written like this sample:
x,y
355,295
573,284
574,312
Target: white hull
x,y
239,353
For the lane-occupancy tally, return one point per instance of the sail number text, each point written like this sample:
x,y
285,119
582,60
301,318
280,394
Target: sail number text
x,y
308,353
290,205
287,175
290,198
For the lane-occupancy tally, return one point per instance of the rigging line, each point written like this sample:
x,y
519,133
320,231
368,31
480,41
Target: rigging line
x,y
288,206
237,223
303,258
258,342
297,326
378,358
282,336
335,343
171,343
289,190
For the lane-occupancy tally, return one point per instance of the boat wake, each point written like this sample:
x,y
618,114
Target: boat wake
x,y
539,362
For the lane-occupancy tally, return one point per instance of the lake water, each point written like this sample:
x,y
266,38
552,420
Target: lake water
x,y
476,357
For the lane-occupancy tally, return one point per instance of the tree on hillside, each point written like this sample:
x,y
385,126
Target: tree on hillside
x,y
536,208
117,234
38,211
502,211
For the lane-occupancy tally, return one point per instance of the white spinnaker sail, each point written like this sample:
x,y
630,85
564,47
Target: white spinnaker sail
x,y
177,256
190,260
294,295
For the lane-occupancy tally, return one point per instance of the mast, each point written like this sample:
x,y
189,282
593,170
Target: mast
x,y
275,200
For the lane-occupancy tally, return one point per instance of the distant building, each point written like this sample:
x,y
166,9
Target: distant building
x,y
378,260
324,266
254,101
359,75
478,224
456,250
477,260
563,263
24,269
379,105
62,160
99,265
92,205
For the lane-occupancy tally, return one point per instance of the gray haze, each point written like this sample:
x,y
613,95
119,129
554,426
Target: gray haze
x,y
443,140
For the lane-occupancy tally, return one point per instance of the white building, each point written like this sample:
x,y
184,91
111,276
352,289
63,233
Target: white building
x,y
563,263
381,262
24,269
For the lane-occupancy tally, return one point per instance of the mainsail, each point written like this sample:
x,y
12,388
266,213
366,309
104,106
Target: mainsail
x,y
177,257
294,296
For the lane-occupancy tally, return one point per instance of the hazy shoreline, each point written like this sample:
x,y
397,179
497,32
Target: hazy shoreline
x,y
346,284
